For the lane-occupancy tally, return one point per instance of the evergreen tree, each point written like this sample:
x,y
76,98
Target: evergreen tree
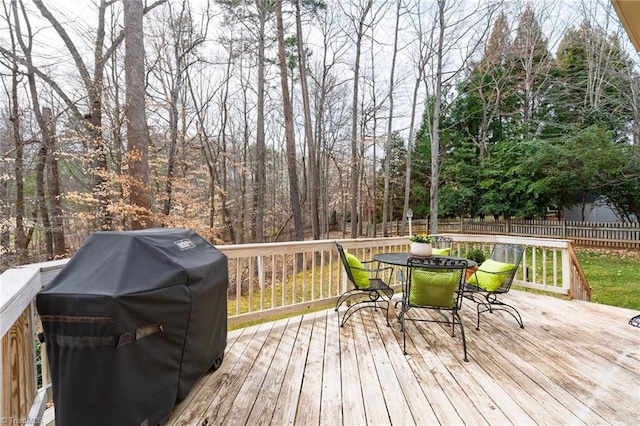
x,y
397,167
488,97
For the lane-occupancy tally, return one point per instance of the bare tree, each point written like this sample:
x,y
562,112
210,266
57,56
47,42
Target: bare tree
x,y
93,85
54,234
294,195
94,91
387,158
329,111
54,191
456,29
23,232
494,81
359,25
421,58
177,39
201,98
435,117
252,17
308,129
533,61
261,177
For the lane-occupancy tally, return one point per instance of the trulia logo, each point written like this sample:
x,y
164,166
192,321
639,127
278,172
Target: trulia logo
x,y
185,244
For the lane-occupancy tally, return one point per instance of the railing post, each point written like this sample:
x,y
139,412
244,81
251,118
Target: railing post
x,y
19,381
567,274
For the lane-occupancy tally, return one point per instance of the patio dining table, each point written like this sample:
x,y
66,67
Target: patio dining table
x,y
402,259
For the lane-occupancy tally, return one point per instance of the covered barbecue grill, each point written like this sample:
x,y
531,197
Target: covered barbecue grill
x,y
131,322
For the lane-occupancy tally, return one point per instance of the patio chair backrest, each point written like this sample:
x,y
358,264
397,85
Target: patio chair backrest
x,y
345,263
507,253
434,281
440,242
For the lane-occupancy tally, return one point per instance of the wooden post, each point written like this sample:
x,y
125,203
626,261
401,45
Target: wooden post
x,y
19,379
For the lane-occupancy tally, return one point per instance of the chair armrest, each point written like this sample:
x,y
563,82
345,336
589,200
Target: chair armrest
x,y
507,272
377,271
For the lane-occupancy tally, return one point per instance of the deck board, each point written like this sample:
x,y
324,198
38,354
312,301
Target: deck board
x,y
331,396
305,378
573,363
395,401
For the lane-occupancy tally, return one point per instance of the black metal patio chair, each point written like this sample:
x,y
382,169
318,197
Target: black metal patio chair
x,y
434,283
441,246
493,278
368,289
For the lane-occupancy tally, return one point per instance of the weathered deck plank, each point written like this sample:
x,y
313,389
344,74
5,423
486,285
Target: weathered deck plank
x,y
383,362
271,386
573,363
331,404
305,378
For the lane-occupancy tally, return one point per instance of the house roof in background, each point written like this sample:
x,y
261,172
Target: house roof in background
x,y
629,13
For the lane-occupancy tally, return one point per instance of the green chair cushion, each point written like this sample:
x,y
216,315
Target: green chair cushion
x,y
430,288
490,274
360,276
441,252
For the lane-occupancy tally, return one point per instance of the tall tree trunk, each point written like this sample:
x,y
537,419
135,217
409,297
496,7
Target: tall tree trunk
x,y
355,160
53,189
222,139
181,30
42,202
261,175
408,166
387,157
118,124
435,128
173,142
308,130
294,195
22,236
137,131
241,206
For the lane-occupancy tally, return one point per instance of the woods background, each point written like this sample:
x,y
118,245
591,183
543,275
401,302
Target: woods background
x,y
267,120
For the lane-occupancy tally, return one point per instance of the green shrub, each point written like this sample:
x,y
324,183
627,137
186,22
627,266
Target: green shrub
x,y
477,255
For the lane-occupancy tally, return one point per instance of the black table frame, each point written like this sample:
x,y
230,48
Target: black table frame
x,y
401,259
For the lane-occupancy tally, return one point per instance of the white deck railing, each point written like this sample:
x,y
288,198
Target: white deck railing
x,y
265,281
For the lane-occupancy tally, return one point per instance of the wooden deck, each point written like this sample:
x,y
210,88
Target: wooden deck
x,y
573,363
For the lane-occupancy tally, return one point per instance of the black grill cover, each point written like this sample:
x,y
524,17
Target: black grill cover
x,y
131,322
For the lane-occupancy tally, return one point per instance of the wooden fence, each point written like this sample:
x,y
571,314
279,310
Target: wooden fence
x,y
610,235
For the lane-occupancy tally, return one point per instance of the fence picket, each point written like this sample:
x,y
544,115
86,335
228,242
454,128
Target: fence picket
x,y
623,235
